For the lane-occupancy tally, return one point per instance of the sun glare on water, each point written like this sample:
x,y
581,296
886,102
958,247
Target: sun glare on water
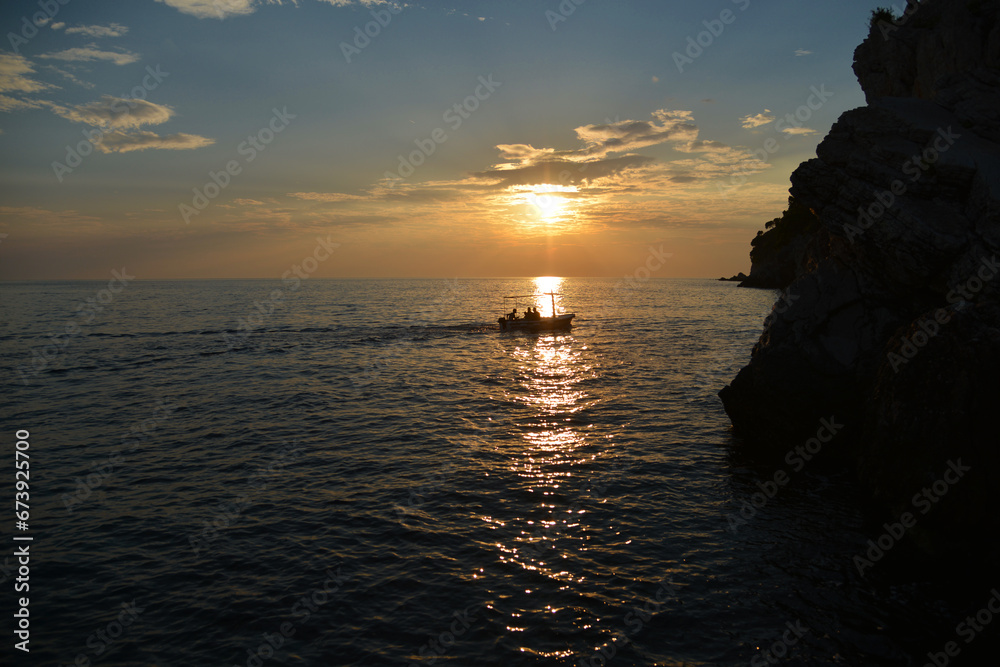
x,y
544,285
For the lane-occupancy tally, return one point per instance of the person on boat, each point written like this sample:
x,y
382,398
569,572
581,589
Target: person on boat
x,y
534,314
512,315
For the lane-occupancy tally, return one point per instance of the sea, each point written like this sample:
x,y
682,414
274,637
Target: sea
x,y
368,472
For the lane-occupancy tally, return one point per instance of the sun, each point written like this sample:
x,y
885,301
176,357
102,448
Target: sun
x,y
547,202
550,207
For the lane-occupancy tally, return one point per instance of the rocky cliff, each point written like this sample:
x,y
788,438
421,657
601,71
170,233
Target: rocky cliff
x,y
890,323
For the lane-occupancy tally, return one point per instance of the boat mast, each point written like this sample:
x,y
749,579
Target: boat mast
x,y
552,294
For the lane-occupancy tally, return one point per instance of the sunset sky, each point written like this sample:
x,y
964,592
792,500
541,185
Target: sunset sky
x,y
455,139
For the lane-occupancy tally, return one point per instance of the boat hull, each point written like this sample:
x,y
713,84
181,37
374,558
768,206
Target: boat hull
x,y
558,323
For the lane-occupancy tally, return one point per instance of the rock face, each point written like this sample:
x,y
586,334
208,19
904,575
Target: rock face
x,y
890,324
777,256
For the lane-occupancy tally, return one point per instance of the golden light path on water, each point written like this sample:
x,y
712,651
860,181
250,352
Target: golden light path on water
x,y
549,443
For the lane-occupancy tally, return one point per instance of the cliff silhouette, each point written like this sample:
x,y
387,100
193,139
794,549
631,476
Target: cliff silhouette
x,y
889,256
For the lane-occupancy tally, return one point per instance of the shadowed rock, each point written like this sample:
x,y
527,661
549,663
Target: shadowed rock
x,y
906,198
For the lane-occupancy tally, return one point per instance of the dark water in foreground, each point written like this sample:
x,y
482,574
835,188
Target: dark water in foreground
x,y
380,474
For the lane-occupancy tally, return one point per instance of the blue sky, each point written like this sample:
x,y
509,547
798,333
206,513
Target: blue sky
x,y
654,149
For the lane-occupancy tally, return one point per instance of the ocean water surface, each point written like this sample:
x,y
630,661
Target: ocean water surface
x,y
367,472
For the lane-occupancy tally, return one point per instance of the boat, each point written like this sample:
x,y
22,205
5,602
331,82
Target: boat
x,y
554,322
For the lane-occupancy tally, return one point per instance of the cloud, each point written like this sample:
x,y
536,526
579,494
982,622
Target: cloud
x,y
222,9
628,135
564,171
122,142
802,131
802,52
115,113
14,71
8,104
366,3
89,53
113,30
327,197
44,21
756,120
69,76
593,163
212,9
605,183
58,26
50,221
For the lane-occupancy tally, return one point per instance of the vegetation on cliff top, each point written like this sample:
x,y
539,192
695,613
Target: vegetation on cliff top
x,y
796,220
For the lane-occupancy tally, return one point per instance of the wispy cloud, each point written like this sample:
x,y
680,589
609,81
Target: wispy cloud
x,y
37,219
756,120
115,113
222,9
113,30
605,183
70,77
212,9
802,52
14,75
327,197
58,25
8,104
802,131
524,164
121,142
91,53
366,3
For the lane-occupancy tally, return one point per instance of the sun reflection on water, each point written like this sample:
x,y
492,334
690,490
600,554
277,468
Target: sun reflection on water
x,y
543,302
